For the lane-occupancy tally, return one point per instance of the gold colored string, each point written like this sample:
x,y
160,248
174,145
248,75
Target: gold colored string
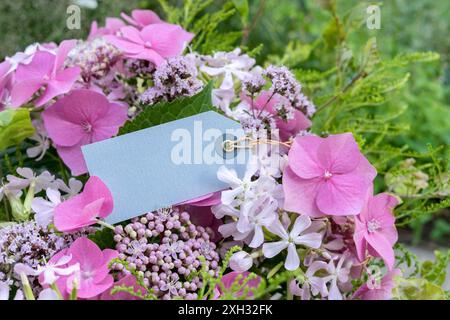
x,y
248,143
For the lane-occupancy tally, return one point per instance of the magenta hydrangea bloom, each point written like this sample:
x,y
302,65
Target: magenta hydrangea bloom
x,y
375,230
287,127
45,70
83,209
378,291
326,176
141,18
93,277
82,117
154,43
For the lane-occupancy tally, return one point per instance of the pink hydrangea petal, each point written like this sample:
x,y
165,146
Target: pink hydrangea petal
x,y
62,84
210,199
68,214
73,158
167,40
132,34
95,189
293,126
382,247
40,66
300,194
108,125
339,153
124,45
64,133
150,55
380,208
360,240
86,253
24,90
303,157
342,195
63,51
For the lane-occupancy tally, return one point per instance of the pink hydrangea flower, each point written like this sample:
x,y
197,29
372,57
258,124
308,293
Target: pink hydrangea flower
x,y
45,70
154,43
83,209
378,291
375,230
93,277
326,176
80,118
141,18
287,128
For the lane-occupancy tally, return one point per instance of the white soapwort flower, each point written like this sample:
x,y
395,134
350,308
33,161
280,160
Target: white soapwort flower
x,y
44,209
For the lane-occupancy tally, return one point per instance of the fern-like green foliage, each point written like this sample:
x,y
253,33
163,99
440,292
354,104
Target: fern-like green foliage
x,y
194,16
356,89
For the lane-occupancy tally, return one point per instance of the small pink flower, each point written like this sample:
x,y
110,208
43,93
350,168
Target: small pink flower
x,y
93,277
375,229
378,291
128,281
83,209
141,18
45,70
326,176
82,117
154,43
288,128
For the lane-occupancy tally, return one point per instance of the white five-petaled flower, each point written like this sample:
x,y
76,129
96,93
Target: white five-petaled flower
x,y
44,209
50,271
291,240
338,274
40,182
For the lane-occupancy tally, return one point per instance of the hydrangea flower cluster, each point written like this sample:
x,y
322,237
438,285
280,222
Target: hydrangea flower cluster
x,y
165,248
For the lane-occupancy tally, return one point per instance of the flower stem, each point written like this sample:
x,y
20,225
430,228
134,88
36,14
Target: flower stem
x,y
58,292
104,224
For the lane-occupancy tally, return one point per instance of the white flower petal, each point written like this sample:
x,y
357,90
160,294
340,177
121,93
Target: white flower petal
x,y
271,249
292,260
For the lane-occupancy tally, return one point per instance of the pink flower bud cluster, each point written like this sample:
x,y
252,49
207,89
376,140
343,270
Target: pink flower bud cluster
x,y
165,248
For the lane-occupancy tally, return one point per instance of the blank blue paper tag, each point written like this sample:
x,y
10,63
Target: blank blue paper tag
x,y
164,165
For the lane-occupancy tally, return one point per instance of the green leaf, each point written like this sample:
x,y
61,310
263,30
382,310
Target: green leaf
x,y
169,111
104,238
15,126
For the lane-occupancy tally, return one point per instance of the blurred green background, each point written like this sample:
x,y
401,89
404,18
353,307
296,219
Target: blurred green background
x,y
406,26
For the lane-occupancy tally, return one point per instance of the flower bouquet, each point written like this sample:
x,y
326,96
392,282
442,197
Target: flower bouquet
x,y
304,221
